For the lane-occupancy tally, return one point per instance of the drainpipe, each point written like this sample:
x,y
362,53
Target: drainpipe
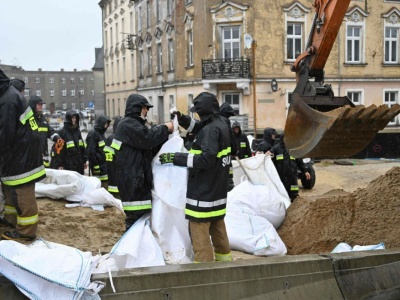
x,y
339,77
253,48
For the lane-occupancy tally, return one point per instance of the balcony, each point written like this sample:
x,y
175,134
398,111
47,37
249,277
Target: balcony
x,y
225,68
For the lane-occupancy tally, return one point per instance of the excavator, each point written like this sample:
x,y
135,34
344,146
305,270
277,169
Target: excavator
x,y
320,125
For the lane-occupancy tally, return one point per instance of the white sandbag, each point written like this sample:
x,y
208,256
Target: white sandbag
x,y
259,200
46,270
168,222
63,183
97,197
136,248
261,171
344,247
252,234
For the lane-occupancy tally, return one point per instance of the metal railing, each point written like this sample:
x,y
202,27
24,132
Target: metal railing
x,y
225,68
246,123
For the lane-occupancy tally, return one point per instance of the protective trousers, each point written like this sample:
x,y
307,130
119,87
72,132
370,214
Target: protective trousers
x,y
203,249
20,209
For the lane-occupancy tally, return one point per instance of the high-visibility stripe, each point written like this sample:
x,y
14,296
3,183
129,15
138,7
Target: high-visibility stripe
x,y
46,163
43,129
137,205
190,160
206,203
223,257
192,124
28,113
205,215
81,143
113,189
116,144
10,210
33,124
279,157
53,136
24,221
109,149
292,158
101,144
24,178
96,167
70,144
243,145
102,177
294,187
219,154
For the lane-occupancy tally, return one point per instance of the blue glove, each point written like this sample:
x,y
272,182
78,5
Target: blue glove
x,y
167,158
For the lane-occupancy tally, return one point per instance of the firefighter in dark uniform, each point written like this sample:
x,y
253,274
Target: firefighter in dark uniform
x,y
110,159
95,143
72,156
241,141
45,130
268,140
21,163
208,162
286,166
133,143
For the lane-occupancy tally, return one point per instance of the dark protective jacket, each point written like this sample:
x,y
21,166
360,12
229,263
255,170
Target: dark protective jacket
x,y
95,142
110,159
241,142
45,130
20,155
286,167
72,156
208,162
133,142
268,141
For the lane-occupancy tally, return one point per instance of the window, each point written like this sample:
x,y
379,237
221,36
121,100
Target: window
x,y
81,79
91,80
190,103
190,48
171,101
391,97
81,92
26,80
37,80
51,79
391,45
64,92
170,7
356,97
158,12
73,105
171,55
63,80
294,40
26,93
159,58
51,93
148,15
234,100
141,67
353,44
140,18
64,106
72,80
149,61
72,92
92,92
231,42
38,93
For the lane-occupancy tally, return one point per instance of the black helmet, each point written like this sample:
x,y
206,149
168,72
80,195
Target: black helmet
x,y
205,105
134,104
227,110
18,84
33,100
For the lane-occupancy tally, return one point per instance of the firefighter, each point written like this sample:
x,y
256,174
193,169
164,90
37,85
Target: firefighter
x,y
208,163
268,140
110,159
95,142
133,143
21,163
45,130
70,156
241,141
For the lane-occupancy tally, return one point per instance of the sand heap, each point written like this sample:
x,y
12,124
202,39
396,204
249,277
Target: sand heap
x,y
365,217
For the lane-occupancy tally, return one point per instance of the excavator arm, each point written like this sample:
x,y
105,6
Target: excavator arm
x,y
318,123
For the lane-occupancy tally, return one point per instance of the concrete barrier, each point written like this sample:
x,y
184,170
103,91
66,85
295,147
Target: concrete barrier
x,y
352,275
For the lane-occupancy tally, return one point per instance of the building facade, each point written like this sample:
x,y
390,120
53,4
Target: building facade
x,y
61,90
239,49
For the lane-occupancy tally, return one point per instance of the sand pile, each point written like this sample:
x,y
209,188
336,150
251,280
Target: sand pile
x,y
365,217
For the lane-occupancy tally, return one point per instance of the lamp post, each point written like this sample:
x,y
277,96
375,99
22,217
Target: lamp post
x,y
253,49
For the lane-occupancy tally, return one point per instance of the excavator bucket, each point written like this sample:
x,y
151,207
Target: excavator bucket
x,y
332,128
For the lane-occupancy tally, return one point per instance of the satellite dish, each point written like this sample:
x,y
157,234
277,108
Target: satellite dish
x,y
248,40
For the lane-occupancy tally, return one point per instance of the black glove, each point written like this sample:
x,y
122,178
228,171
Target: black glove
x,y
167,158
176,113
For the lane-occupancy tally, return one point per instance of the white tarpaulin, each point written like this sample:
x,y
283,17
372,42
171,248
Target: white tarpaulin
x,y
46,270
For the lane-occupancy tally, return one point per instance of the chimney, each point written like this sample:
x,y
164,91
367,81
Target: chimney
x,y
62,70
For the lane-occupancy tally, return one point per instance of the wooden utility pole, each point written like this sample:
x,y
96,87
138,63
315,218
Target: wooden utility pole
x,y
253,48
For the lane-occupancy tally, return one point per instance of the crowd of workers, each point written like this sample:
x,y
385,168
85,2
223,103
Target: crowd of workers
x,y
122,161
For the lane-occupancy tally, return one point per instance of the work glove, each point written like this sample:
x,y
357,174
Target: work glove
x,y
176,113
167,158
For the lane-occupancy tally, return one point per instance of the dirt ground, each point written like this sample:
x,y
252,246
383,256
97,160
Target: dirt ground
x,y
355,203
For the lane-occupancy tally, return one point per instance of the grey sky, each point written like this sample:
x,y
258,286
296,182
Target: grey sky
x,y
50,34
